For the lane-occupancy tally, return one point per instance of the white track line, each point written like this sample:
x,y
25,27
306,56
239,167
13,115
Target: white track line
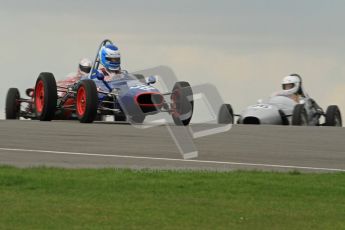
x,y
177,160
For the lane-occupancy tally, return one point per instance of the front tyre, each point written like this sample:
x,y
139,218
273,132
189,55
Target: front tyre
x,y
226,114
137,119
182,103
120,117
87,101
45,97
333,116
12,104
299,116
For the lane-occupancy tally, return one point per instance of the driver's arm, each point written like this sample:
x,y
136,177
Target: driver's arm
x,y
96,74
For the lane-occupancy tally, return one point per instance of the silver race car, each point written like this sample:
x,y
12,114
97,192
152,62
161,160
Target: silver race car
x,y
281,110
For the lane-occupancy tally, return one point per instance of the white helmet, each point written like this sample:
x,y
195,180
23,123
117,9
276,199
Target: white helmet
x,y
85,66
291,84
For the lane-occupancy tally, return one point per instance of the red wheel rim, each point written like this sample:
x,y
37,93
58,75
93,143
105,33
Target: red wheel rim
x,y
175,103
81,101
39,97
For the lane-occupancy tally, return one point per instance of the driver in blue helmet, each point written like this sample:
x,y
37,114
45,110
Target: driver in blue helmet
x,y
110,59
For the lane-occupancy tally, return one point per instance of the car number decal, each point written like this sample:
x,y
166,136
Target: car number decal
x,y
143,87
262,106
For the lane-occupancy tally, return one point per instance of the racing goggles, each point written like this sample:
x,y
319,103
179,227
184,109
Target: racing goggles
x,y
113,59
85,69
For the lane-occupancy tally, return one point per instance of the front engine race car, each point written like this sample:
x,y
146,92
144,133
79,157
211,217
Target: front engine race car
x,y
131,98
282,110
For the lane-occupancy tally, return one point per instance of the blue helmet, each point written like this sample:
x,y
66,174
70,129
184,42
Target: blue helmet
x,y
110,57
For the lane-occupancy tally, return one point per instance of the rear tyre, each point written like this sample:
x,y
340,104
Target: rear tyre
x,y
45,97
182,103
299,116
333,116
226,114
87,101
12,104
100,118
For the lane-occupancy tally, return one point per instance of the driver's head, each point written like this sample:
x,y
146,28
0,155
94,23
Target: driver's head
x,y
85,66
110,57
291,84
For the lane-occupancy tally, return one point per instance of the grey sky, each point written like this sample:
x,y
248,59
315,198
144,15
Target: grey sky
x,y
244,47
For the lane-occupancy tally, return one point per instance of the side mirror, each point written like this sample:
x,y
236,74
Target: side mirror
x,y
260,101
151,80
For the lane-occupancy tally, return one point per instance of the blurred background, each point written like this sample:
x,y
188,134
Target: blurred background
x,y
244,48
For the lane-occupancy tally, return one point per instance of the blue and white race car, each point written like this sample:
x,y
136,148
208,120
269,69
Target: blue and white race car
x,y
131,98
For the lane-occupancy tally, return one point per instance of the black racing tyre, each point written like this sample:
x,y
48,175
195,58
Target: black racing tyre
x,y
12,104
137,119
45,97
182,103
120,117
141,78
226,114
100,117
299,116
86,101
333,116
285,120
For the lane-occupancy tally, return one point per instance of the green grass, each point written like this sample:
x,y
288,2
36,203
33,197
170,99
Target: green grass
x,y
45,198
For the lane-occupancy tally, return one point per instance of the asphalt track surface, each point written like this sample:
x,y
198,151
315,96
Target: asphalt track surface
x,y
73,145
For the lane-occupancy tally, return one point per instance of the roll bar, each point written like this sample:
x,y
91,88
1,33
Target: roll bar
x,y
96,61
